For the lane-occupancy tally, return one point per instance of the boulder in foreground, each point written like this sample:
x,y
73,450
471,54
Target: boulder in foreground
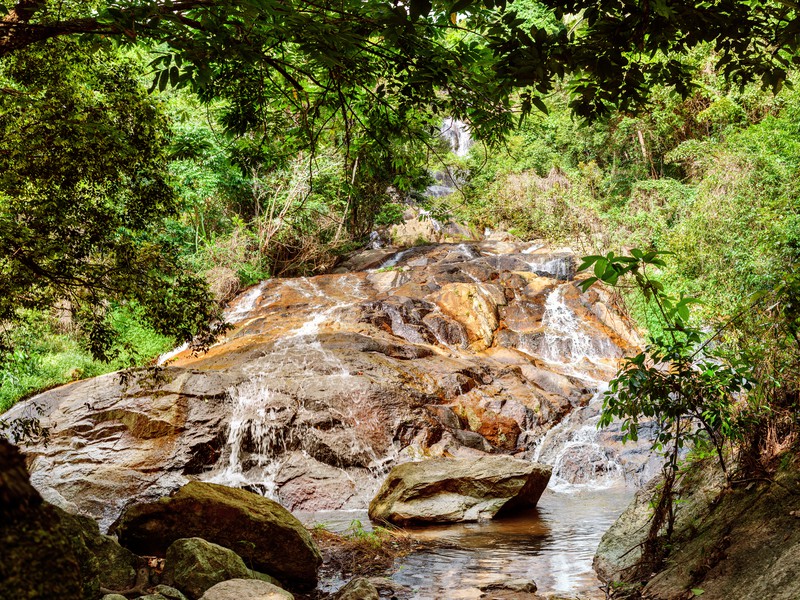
x,y
246,589
261,531
451,490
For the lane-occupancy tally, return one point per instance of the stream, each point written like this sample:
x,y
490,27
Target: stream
x,y
553,545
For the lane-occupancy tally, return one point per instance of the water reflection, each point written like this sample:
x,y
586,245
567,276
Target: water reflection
x,y
552,545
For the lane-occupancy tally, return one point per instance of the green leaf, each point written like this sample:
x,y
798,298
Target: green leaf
x,y
698,591
459,5
419,8
163,79
600,267
683,312
540,104
588,261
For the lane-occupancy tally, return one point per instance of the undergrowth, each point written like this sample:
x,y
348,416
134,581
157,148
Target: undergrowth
x,y
359,552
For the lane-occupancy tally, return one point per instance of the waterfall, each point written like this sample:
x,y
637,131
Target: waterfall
x,y
573,449
457,133
566,342
564,339
573,446
257,438
245,304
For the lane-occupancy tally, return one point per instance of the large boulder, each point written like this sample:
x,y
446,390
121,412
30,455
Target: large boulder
x,y
40,539
42,549
246,589
259,530
450,490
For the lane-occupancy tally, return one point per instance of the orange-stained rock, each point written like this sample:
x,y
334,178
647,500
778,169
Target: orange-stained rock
x,y
501,431
323,383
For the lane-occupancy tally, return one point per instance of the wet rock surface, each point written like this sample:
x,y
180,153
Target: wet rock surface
x,y
324,383
451,490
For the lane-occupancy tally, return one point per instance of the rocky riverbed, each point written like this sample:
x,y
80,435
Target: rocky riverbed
x,y
323,383
463,350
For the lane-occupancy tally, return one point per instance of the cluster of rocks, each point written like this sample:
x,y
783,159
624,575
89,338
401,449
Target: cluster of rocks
x,y
206,542
212,542
435,351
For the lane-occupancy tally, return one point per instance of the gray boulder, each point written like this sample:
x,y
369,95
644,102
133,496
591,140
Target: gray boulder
x,y
517,585
451,490
246,589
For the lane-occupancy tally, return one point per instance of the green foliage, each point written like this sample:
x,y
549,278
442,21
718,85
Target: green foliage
x,y
47,352
83,191
680,384
317,56
390,214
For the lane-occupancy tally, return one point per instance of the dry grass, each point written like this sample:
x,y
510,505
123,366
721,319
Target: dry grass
x,y
361,553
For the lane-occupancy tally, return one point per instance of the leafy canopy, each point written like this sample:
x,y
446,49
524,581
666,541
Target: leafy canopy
x,y
318,49
83,190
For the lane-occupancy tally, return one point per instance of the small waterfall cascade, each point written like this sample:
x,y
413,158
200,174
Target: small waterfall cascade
x,y
556,267
566,342
457,133
447,181
258,434
245,305
574,449
564,339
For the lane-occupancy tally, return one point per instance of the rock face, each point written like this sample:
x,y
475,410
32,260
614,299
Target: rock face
x,y
742,543
449,490
325,382
259,530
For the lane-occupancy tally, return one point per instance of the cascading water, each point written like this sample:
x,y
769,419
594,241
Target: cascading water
x,y
245,305
564,339
256,440
457,133
574,451
572,447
